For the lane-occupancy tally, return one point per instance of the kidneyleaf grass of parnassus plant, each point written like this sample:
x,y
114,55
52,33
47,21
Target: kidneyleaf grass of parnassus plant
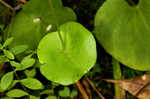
x,y
67,54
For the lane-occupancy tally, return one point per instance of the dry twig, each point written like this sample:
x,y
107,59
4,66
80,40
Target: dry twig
x,y
6,4
87,88
95,89
82,91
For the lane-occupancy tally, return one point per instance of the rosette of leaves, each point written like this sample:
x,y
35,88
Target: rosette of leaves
x,y
37,18
124,30
66,55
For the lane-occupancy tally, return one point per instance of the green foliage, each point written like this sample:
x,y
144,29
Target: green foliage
x,y
27,62
33,97
125,33
74,93
19,49
30,25
8,54
32,83
65,92
42,39
68,53
3,59
30,73
16,93
6,80
7,42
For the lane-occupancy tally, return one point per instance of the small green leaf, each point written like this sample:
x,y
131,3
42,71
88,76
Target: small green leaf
x,y
74,93
19,49
30,73
13,84
65,92
32,83
33,97
27,62
7,42
6,80
48,91
9,54
3,59
15,64
51,97
16,93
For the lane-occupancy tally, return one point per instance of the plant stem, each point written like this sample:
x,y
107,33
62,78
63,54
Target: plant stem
x,y
117,76
59,34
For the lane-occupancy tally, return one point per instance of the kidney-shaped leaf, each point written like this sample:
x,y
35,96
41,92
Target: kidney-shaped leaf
x,y
68,54
124,32
37,18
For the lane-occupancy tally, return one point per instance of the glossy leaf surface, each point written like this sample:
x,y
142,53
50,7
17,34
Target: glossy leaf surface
x,y
32,83
124,31
68,54
31,24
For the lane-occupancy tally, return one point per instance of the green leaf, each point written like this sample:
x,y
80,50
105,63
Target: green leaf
x,y
27,62
33,97
13,84
124,32
51,97
7,42
65,92
15,64
3,59
74,93
16,93
9,54
48,91
30,24
57,3
7,80
30,73
32,83
70,56
19,49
